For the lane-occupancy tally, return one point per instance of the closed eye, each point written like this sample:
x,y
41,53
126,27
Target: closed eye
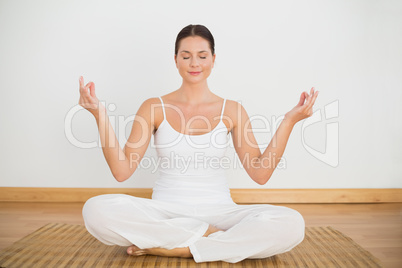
x,y
186,58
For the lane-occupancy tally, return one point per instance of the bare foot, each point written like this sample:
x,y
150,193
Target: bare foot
x,y
176,252
211,229
135,251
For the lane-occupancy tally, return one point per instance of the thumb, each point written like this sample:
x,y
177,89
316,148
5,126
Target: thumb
x,y
92,89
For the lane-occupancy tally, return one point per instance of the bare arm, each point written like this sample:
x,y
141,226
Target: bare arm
x,y
267,162
122,163
116,159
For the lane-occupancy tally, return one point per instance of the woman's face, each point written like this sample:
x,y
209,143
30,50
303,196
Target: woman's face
x,y
194,59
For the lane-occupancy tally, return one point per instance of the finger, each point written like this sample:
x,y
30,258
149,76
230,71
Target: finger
x,y
310,97
92,89
82,84
87,86
81,81
302,98
85,89
307,98
313,98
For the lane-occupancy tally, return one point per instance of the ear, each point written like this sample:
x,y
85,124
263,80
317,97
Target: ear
x,y
175,59
213,60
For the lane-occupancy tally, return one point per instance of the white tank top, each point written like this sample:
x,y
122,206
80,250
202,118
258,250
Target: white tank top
x,y
192,167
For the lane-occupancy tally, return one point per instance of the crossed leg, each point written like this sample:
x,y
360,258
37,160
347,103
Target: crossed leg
x,y
164,229
176,252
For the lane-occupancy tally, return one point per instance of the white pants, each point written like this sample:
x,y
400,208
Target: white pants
x,y
251,231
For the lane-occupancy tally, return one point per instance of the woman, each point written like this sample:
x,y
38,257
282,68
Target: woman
x,y
191,213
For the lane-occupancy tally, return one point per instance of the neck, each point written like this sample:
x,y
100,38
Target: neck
x,y
195,93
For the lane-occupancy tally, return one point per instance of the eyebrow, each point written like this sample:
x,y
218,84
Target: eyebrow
x,y
185,51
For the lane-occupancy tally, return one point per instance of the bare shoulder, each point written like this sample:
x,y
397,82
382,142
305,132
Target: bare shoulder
x,y
151,111
148,105
233,112
232,106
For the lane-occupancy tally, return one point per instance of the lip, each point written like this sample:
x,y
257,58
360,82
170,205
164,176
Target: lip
x,y
194,73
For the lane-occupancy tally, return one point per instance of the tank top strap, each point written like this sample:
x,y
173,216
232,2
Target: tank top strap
x,y
223,108
163,108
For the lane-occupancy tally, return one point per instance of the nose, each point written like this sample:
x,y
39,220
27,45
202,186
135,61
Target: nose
x,y
194,62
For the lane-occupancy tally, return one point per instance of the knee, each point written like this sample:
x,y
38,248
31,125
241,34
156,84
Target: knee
x,y
293,227
280,230
296,226
99,213
292,223
91,209
288,224
94,211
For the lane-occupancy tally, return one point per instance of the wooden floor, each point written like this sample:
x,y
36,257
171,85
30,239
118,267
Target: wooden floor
x,y
376,227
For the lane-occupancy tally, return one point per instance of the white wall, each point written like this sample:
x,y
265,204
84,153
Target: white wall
x,y
268,52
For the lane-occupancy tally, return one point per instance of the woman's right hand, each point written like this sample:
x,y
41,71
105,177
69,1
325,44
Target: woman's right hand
x,y
88,99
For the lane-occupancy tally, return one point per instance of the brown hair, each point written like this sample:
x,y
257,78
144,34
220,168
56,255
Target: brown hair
x,y
195,30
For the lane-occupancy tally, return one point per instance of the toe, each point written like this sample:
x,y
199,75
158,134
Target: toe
x,y
139,253
132,249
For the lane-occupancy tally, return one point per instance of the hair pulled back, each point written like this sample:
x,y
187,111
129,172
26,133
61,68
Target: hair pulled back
x,y
195,30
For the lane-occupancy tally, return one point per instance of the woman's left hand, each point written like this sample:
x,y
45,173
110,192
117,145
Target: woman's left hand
x,y
304,108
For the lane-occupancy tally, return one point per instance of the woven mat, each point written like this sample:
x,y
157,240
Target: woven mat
x,y
64,245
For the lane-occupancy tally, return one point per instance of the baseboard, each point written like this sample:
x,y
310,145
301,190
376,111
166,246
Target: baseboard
x,y
240,196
